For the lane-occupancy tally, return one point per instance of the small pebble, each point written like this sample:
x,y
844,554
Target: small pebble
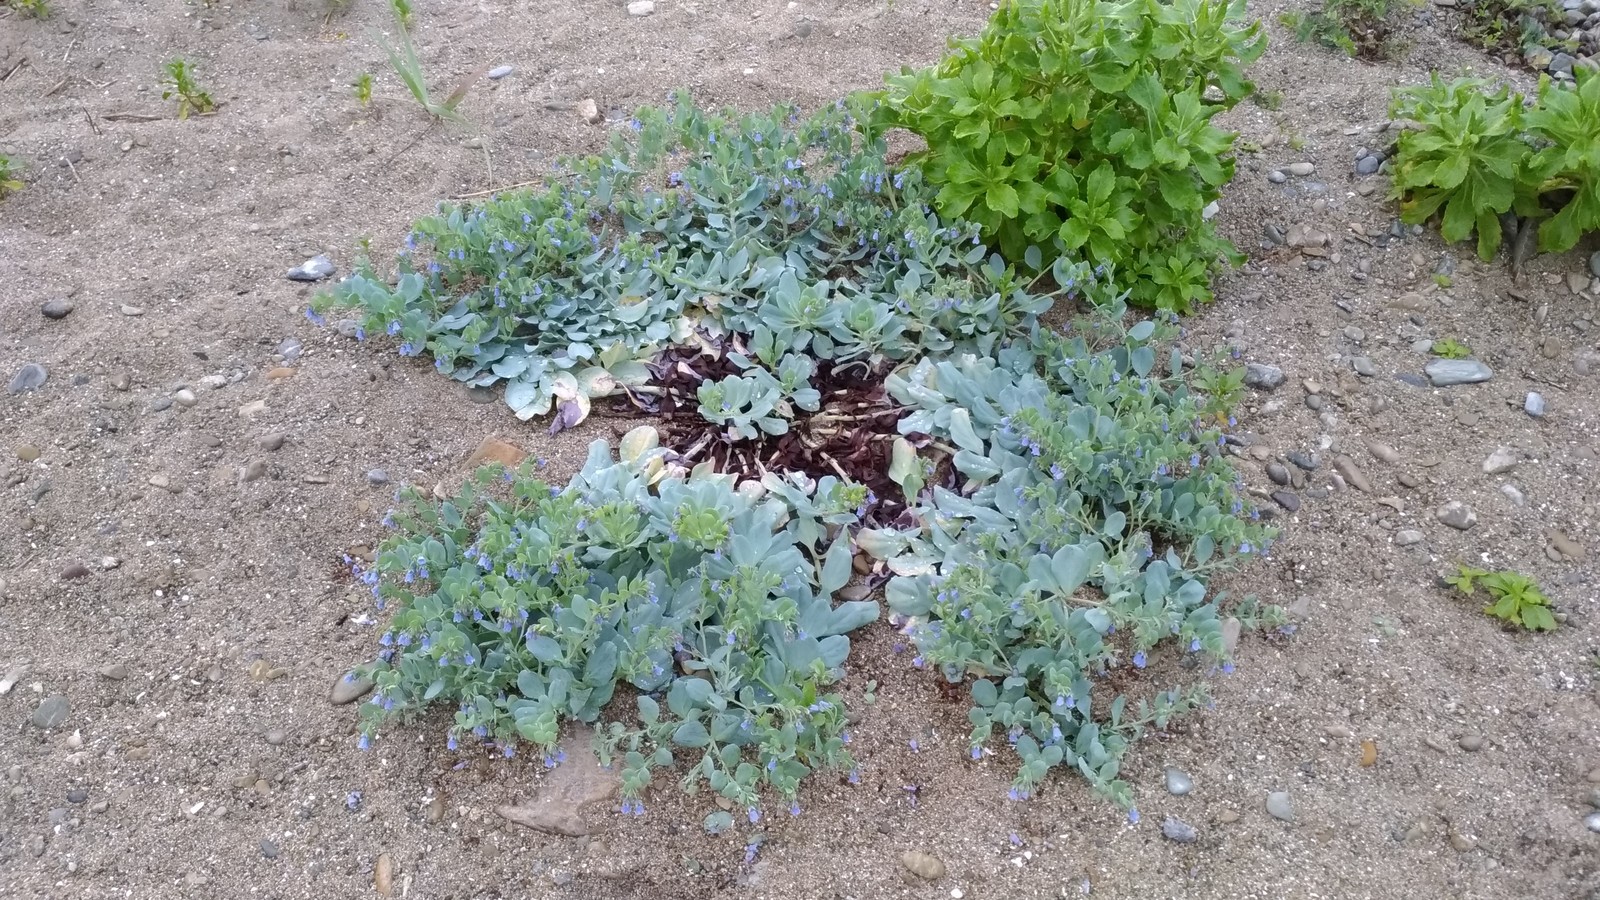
x,y
56,309
499,72
30,377
377,476
114,672
269,849
1287,499
131,311
77,795
1368,165
272,441
1363,366
1457,515
349,688
1276,176
1179,783
1471,743
1446,372
75,570
1594,264
1279,807
1502,460
923,865
1278,474
1262,376
1534,405
1406,537
1300,169
275,736
1592,822
185,397
313,269
52,711
1175,829
641,7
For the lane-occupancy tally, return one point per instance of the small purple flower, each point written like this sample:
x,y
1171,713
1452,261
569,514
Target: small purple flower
x,y
352,800
977,752
1138,660
365,743
1133,815
753,814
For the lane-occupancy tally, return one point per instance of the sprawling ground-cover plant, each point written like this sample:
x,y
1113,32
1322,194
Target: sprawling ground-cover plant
x,y
1084,127
1062,498
527,607
1097,504
790,230
1478,152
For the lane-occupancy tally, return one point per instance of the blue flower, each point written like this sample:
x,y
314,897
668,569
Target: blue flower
x,y
1133,815
753,814
315,319
1138,660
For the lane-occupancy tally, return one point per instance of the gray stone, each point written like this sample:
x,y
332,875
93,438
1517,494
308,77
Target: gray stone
x,y
1383,452
1355,333
1300,169
1363,366
557,807
161,404
314,269
30,377
52,711
1279,807
377,477
1534,405
1457,515
1306,461
1287,499
1513,494
1262,376
290,349
1503,459
1407,537
1592,822
1176,829
1561,63
641,7
1276,176
1471,743
499,72
273,441
77,795
1368,165
1446,372
114,672
1179,783
1594,264
1278,474
1352,473
59,308
349,688
269,849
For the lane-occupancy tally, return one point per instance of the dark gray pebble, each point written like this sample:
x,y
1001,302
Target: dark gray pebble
x,y
1287,499
30,377
56,309
1307,461
313,269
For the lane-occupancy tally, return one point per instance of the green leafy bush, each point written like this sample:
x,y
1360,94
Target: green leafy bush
x,y
529,609
1516,598
1478,153
788,230
1083,127
1096,505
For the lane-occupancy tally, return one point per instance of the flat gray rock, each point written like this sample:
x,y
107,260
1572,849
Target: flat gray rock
x,y
1262,376
1178,782
1446,372
314,269
499,72
1457,515
1176,829
30,377
51,712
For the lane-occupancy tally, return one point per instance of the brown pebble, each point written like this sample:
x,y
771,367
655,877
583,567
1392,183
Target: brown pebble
x,y
383,876
280,372
1227,817
435,812
27,453
923,865
75,570
495,450
139,753
121,381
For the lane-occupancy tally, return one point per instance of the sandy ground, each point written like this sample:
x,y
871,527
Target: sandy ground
x,y
200,755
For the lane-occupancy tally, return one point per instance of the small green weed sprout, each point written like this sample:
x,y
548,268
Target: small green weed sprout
x,y
39,9
9,182
363,88
1516,598
1450,348
408,66
177,81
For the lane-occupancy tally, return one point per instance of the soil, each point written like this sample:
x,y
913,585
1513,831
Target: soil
x,y
179,584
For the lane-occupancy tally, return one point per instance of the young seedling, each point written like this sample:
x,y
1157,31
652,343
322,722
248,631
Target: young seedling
x,y
408,66
1450,348
9,182
363,87
1517,598
402,12
39,9
177,81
